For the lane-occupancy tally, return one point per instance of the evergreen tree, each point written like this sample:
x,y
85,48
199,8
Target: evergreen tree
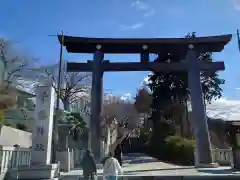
x,y
172,87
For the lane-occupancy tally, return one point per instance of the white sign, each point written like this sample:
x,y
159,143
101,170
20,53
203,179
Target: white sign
x,y
42,132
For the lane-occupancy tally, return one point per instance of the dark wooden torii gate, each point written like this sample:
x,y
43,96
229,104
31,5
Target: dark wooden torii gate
x,y
187,48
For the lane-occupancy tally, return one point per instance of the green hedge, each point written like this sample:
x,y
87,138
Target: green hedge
x,y
179,150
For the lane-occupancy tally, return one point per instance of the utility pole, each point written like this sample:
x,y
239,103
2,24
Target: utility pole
x,y
56,117
238,39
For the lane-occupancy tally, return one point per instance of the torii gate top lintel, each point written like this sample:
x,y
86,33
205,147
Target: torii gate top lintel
x,y
134,45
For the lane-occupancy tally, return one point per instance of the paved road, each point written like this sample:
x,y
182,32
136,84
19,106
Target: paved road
x,y
141,165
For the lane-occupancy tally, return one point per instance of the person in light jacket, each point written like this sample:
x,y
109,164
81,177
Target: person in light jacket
x,y
89,166
111,168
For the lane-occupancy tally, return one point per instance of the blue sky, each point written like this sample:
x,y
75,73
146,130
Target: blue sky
x,y
30,23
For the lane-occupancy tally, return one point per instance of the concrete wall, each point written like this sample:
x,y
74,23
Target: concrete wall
x,y
11,136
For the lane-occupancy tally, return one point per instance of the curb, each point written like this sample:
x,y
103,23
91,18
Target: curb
x,y
219,177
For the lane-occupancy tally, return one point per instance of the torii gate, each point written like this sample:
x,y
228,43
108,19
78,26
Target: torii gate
x,y
187,48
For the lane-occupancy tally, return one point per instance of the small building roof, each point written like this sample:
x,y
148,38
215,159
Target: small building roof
x,y
134,45
232,122
25,93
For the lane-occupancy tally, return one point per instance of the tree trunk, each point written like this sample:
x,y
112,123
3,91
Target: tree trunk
x,y
66,104
182,119
112,147
156,130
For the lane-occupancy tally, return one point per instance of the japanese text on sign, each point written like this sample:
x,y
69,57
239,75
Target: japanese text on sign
x,y
40,131
39,147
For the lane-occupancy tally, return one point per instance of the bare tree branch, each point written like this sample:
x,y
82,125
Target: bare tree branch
x,y
72,84
15,66
123,112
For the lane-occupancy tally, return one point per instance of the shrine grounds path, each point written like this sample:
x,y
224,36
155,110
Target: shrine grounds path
x,y
139,166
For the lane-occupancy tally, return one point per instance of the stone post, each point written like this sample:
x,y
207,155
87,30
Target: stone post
x,y
63,136
96,104
41,138
203,144
64,153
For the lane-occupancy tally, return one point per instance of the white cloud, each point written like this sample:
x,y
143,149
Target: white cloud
x,y
236,4
224,108
140,5
149,13
126,97
135,26
131,27
146,80
111,97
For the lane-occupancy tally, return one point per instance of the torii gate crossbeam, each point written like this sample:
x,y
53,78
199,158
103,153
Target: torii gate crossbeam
x,y
136,66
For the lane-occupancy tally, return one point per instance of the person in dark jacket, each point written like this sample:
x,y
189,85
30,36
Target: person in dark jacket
x,y
89,166
118,153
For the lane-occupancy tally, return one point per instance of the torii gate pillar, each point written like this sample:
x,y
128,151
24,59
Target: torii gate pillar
x,y
203,144
94,140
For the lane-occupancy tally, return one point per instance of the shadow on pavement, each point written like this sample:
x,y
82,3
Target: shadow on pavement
x,y
136,158
133,156
139,161
166,169
128,172
217,171
130,158
70,177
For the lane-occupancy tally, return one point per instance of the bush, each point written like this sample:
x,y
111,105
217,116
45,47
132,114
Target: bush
x,y
179,150
174,149
22,127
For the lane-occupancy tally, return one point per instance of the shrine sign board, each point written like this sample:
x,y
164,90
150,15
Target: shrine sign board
x,y
42,129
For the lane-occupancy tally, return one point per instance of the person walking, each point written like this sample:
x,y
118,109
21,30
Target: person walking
x,y
111,168
89,166
118,153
